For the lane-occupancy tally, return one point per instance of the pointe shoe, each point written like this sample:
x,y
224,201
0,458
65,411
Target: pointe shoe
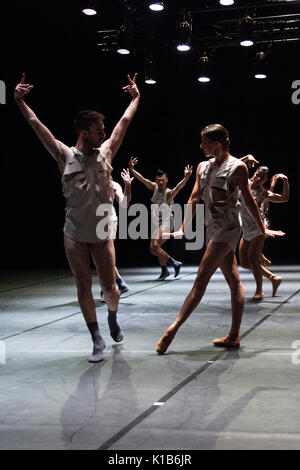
x,y
258,296
227,342
167,338
276,281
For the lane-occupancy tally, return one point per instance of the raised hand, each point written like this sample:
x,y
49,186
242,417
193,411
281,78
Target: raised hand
x,y
279,176
251,161
273,233
188,171
22,88
132,87
133,161
126,176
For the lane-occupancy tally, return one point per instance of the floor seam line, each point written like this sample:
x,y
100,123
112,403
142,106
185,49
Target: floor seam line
x,y
183,383
77,313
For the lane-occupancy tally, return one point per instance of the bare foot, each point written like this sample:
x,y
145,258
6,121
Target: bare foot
x,y
276,281
258,296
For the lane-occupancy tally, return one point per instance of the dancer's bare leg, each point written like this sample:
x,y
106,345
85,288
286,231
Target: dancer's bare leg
x,y
163,257
79,260
249,254
104,258
78,255
276,280
213,257
156,250
230,270
243,253
103,255
123,287
265,261
254,252
117,274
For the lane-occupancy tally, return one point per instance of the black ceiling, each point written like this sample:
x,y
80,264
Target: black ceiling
x,y
213,26
42,23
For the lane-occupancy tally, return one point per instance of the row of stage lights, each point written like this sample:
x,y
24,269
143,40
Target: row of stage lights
x,y
204,74
154,6
184,28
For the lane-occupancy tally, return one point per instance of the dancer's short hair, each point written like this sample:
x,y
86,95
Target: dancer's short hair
x,y
160,173
217,132
263,168
85,118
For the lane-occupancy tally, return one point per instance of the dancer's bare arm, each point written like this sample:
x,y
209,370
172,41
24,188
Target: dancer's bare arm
x,y
187,173
250,160
123,198
54,147
149,184
279,198
117,136
240,178
127,189
194,199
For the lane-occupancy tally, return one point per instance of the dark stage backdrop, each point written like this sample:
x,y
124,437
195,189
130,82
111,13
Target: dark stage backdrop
x,y
69,74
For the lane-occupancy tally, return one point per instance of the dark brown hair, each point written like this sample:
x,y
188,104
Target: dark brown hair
x,y
159,173
216,132
85,118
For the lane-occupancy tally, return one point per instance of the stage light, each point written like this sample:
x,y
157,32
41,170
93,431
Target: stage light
x,y
226,2
204,75
203,79
183,47
124,41
260,66
89,11
156,6
150,75
123,51
246,31
184,31
90,8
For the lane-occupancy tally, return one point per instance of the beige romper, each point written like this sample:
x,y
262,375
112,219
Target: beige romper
x,y
222,219
85,192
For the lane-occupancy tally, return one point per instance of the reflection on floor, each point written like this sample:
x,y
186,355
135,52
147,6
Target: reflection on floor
x,y
194,397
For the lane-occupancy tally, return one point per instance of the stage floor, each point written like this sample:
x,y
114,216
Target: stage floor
x,y
196,396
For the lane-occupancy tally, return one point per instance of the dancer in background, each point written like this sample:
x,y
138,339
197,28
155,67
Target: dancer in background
x,y
86,170
252,241
162,196
123,200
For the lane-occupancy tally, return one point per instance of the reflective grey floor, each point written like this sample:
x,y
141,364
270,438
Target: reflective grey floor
x,y
195,397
